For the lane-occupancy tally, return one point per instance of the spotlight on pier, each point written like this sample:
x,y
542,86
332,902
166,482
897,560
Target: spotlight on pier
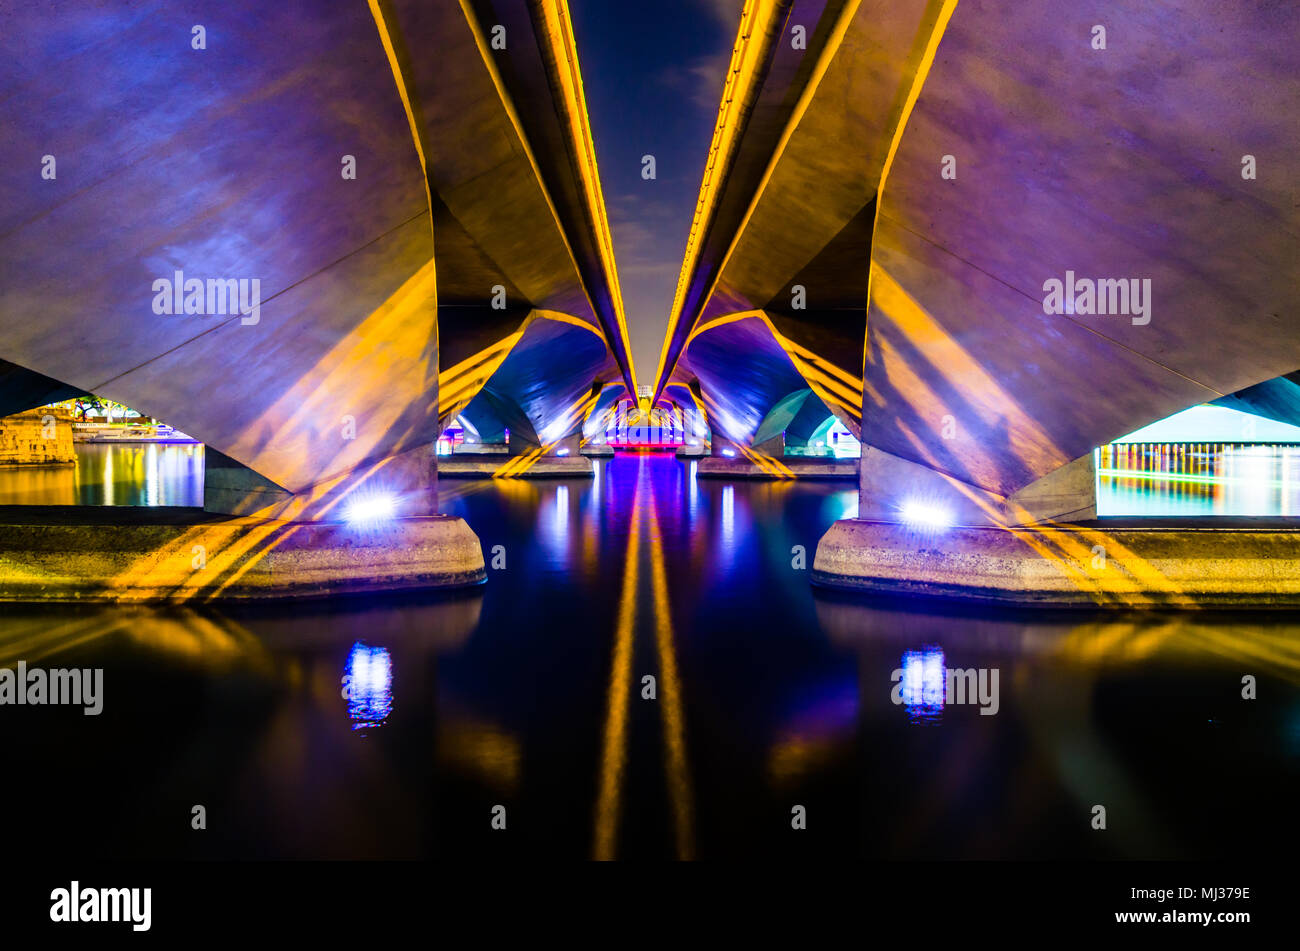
x,y
371,509
928,515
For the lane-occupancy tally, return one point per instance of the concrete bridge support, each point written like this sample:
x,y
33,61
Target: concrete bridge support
x,y
943,182
260,243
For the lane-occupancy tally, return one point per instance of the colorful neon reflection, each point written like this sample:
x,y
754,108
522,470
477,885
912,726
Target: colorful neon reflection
x,y
1198,479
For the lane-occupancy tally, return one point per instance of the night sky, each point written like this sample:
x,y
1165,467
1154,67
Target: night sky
x,y
652,74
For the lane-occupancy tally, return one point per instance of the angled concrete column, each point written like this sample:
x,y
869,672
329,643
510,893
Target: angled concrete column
x,y
724,447
409,480
892,488
774,447
568,445
1068,493
232,488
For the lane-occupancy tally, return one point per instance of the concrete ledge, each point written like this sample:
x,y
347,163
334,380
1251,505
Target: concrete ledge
x,y
207,558
720,467
574,466
603,451
1068,566
479,449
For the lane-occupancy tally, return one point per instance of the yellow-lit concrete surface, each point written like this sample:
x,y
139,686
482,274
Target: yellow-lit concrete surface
x,y
51,557
1070,566
721,467
484,467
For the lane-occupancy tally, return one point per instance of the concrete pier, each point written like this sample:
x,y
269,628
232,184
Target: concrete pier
x,y
922,532
123,554
1114,563
791,467
487,467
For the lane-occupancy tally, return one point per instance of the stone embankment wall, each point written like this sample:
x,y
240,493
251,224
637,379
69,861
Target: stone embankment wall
x,y
38,437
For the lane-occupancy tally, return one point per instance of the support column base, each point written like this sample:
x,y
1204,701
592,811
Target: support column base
x,y
1087,565
721,467
181,555
487,467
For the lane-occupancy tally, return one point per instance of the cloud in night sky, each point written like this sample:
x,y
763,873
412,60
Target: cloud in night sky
x,y
653,76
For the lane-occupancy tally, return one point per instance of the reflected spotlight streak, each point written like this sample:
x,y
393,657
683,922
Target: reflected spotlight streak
x,y
923,684
368,686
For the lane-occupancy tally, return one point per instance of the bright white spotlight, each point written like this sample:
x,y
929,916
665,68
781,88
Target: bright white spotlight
x,y
729,453
562,452
371,509
926,514
553,432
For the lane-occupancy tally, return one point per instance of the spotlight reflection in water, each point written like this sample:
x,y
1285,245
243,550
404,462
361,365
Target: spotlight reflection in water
x,y
692,492
923,685
553,529
562,513
368,686
728,518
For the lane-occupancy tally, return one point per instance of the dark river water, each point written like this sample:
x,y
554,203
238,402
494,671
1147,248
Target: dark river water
x,y
392,727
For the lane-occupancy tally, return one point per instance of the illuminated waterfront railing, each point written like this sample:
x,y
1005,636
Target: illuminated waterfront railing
x,y
1198,479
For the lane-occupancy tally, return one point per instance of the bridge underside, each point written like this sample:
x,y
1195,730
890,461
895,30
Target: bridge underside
x,y
381,200
989,240
1001,172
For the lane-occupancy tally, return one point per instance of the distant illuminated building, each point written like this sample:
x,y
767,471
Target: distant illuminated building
x,y
1204,461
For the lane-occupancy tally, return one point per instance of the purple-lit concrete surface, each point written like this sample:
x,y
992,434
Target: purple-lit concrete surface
x,y
468,204
1123,163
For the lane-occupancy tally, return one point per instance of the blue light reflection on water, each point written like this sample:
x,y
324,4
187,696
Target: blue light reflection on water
x,y
368,686
923,684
